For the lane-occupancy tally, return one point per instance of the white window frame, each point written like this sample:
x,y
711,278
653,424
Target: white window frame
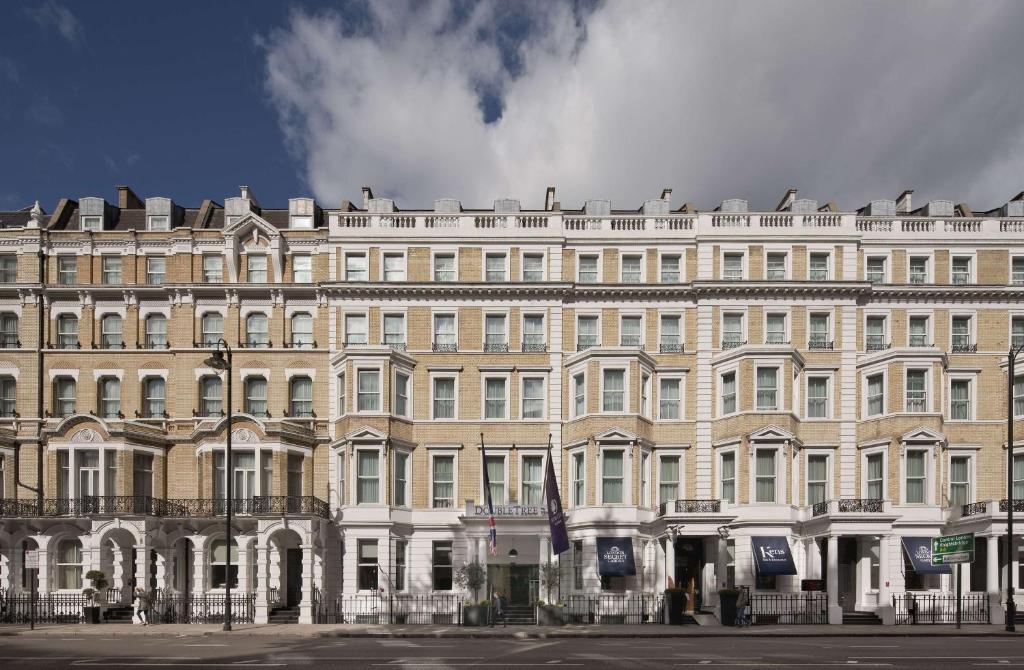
x,y
573,479
588,315
626,474
407,373
679,381
623,315
927,388
267,270
744,263
972,474
865,399
158,222
972,266
371,449
676,314
574,387
503,314
484,377
929,334
434,376
503,455
639,254
680,482
786,332
811,313
625,388
886,328
434,253
597,255
520,489
1009,272
523,253
929,474
865,455
827,253
779,474
829,384
209,278
454,455
150,274
384,314
454,313
386,253
671,253
543,396
344,327
787,262
1013,315
504,253
829,469
972,326
720,402
523,316
359,370
104,271
295,270
779,384
972,403
742,313
365,254
886,257
720,481
929,256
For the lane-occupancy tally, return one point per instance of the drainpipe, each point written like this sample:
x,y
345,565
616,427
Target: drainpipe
x,y
41,329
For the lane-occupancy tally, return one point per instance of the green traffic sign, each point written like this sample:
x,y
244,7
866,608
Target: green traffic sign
x,y
950,549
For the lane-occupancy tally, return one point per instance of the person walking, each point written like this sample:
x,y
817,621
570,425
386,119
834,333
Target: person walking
x,y
499,608
742,603
141,604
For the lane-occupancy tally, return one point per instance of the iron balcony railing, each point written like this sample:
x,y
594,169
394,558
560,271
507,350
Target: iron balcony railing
x,y
877,346
534,347
965,348
974,508
732,344
848,505
820,345
1018,505
670,346
445,347
496,347
691,506
89,506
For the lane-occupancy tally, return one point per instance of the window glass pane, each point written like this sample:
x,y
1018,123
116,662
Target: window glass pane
x,y
444,398
444,481
614,391
367,474
668,398
612,477
765,468
368,391
668,479
533,267
444,267
588,270
729,393
401,478
494,398
496,478
767,388
874,479
533,398
532,480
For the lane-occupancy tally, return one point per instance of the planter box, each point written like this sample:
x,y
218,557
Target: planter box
x,y
675,604
727,603
475,615
92,614
550,615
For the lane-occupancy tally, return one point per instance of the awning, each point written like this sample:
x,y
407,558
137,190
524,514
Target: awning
x,y
615,556
772,555
919,551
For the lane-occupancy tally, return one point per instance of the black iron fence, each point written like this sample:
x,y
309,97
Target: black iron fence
x,y
186,608
175,508
806,607
615,608
934,608
49,608
395,608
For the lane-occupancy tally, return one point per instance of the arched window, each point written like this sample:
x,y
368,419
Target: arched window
x,y
67,331
154,397
219,574
110,397
8,330
112,332
256,396
210,396
8,396
69,564
156,331
301,394
302,330
256,330
212,328
64,396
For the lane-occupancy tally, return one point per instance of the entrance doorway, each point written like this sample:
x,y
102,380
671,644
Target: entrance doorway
x,y
293,577
522,584
848,573
689,566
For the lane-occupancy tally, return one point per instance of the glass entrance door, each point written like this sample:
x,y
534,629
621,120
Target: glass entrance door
x,y
522,586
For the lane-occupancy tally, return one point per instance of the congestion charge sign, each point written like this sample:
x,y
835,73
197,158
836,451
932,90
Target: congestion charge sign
x,y
950,549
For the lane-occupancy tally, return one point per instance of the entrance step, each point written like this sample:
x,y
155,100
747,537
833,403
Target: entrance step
x,y
284,615
861,619
521,614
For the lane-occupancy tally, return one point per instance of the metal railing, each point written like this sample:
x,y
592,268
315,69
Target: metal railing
x,y
939,608
615,608
395,608
806,607
693,506
186,608
971,509
175,508
50,608
820,345
1018,505
445,347
849,505
965,348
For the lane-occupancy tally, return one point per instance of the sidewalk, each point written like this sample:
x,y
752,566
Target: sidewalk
x,y
514,632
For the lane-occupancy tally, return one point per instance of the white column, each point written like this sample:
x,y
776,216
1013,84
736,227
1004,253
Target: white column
x,y
721,564
262,585
141,566
243,569
996,612
198,570
670,562
544,555
45,585
835,612
884,592
306,606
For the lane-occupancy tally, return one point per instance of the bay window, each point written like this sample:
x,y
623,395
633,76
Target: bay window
x,y
728,381
367,477
917,393
875,394
612,477
368,391
614,391
401,401
767,389
765,484
366,573
579,394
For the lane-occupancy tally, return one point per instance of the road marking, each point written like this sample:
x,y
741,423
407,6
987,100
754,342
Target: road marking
x,y
419,664
818,664
873,646
205,645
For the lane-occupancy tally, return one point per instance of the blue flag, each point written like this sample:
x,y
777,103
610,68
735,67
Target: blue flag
x,y
556,519
492,527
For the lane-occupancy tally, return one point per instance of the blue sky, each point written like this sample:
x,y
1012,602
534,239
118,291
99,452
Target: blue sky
x,y
483,100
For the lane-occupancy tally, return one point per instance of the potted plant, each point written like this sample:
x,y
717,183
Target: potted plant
x,y
471,577
92,595
548,613
675,605
727,605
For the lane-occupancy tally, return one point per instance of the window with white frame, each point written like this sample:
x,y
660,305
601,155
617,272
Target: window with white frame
x,y
400,492
579,394
767,388
579,479
533,267
368,391
727,476
256,396
156,269
302,268
356,268
394,266
1017,271
257,268
917,270
67,331
668,479
632,269
342,479
444,333
302,330
69,563
817,478
531,481
67,270
960,399
961,270
394,330
495,267
670,268
874,338
959,480
212,328
355,329
732,266
154,397
645,393
613,392
496,478
443,481
8,268
444,267
367,566
210,396
629,332
1018,476
444,397
300,398
1018,395
917,331
495,332
8,330
612,476
110,397
64,396
586,332
111,269
915,476
645,487
670,397
818,331
817,397
775,329
732,330
401,399
765,463
876,394
213,268
112,332
671,333
917,391
341,393
588,270
159,222
875,269
533,333
495,398
961,334
775,266
156,331
8,396
367,477
818,266
442,566
874,477
1017,331
257,330
728,383
533,398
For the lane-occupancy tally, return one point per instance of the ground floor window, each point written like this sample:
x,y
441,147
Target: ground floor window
x,y
69,564
367,575
400,548
219,573
442,566
577,565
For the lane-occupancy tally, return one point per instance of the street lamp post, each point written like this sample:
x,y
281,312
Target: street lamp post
x,y
1011,606
222,362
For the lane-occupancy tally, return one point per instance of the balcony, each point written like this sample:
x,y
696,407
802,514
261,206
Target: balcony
x,y
991,507
877,345
179,508
445,347
712,506
964,348
395,346
732,344
301,344
535,347
849,506
670,346
494,346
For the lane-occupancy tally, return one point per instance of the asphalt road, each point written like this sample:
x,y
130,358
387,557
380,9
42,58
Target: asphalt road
x,y
436,654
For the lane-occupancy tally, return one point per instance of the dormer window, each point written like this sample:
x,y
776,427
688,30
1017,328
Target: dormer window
x,y
159,222
92,223
302,222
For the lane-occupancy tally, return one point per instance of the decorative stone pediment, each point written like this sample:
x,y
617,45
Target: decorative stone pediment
x,y
923,435
247,224
616,434
244,435
366,434
771,433
87,435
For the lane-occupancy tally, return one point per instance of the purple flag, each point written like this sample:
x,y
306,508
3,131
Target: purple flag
x,y
556,519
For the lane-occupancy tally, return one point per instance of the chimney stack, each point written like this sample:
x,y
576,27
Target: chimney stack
x,y
367,197
549,199
126,198
666,194
903,203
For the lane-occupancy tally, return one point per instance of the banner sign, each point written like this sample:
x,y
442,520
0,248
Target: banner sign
x,y
507,511
949,549
772,555
615,556
556,518
919,552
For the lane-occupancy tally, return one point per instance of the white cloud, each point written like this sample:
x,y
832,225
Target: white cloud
x,y
846,101
55,15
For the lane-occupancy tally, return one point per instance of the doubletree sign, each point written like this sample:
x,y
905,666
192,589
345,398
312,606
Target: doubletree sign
x,y
950,549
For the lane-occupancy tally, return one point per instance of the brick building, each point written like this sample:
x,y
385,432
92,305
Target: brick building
x,y
707,379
